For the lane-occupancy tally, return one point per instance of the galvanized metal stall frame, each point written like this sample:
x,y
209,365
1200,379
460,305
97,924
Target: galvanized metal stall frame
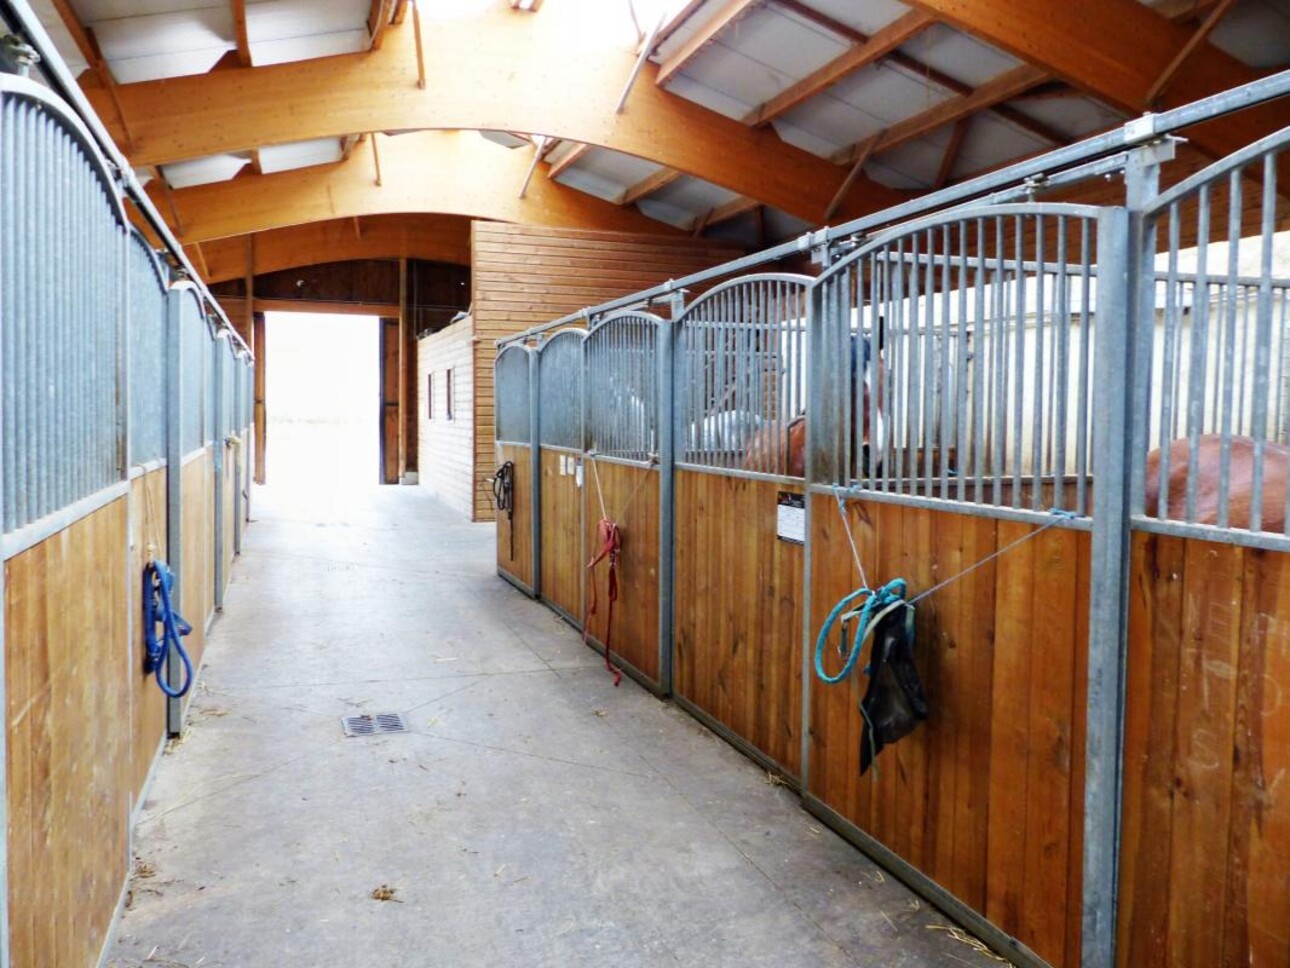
x,y
1125,297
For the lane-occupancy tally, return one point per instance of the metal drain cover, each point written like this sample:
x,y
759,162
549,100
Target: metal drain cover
x,y
370,725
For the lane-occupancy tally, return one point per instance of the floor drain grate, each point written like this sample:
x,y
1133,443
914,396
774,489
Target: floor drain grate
x,y
371,725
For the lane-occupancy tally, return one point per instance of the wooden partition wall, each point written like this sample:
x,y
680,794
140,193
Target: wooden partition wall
x,y
561,523
148,517
631,499
1206,823
69,735
738,612
515,558
986,796
197,578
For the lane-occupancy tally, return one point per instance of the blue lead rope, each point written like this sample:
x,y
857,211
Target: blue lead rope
x,y
859,619
158,580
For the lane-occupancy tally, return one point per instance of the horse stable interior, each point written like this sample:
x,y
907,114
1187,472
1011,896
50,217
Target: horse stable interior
x,y
830,506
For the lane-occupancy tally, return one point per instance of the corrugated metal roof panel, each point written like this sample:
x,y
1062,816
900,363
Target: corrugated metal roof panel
x,y
959,56
299,154
867,17
591,183
736,75
694,195
616,168
290,30
203,171
710,98
165,45
663,212
1075,116
1256,32
291,49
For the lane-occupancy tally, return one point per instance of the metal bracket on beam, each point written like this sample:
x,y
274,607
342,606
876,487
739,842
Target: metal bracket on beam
x,y
17,56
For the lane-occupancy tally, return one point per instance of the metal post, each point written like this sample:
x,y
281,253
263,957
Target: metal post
x,y
4,780
535,470
825,405
1124,291
667,434
174,482
217,454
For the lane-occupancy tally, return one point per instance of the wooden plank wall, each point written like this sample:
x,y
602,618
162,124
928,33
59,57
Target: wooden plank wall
x,y
197,577
631,499
391,429
1206,851
526,275
148,703
69,737
519,566
562,550
738,611
445,445
985,798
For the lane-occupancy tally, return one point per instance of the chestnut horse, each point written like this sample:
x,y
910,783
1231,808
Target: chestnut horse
x,y
790,441
1276,462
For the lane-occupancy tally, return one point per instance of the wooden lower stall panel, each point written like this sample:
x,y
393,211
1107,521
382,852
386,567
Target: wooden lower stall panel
x,y
561,532
631,499
985,797
1205,876
197,574
67,679
147,702
230,509
738,611
515,531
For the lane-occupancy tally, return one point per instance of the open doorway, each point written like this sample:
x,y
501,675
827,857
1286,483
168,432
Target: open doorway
x,y
323,401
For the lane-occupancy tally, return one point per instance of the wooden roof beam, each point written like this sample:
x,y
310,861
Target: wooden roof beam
x,y
900,59
240,32
724,213
870,51
472,180
1002,88
727,15
648,186
241,108
1116,50
89,49
951,155
567,162
1196,39
435,238
377,21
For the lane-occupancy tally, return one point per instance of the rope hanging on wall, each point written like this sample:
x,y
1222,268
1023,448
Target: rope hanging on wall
x,y
609,541
158,581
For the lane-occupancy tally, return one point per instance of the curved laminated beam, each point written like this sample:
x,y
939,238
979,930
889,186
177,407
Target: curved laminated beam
x,y
433,238
1115,50
434,172
502,70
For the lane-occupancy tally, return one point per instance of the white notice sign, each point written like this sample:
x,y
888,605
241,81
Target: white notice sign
x,y
791,518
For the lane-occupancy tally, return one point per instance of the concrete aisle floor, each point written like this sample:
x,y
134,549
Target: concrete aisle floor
x,y
535,816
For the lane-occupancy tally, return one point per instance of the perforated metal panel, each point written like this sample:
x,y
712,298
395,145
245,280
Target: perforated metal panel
x,y
511,391
62,261
147,326
560,365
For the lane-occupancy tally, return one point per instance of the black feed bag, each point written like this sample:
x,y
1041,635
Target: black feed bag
x,y
895,702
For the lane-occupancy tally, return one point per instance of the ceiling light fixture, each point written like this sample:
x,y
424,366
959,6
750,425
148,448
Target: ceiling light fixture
x,y
529,6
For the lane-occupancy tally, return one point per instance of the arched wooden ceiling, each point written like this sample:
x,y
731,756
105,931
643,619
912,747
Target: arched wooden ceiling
x,y
535,73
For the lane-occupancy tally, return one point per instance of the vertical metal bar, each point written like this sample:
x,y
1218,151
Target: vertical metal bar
x,y
1085,361
7,301
1062,334
999,372
1229,344
1019,350
930,371
667,437
1199,352
1169,387
949,397
176,377
1108,602
1040,372
1263,339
